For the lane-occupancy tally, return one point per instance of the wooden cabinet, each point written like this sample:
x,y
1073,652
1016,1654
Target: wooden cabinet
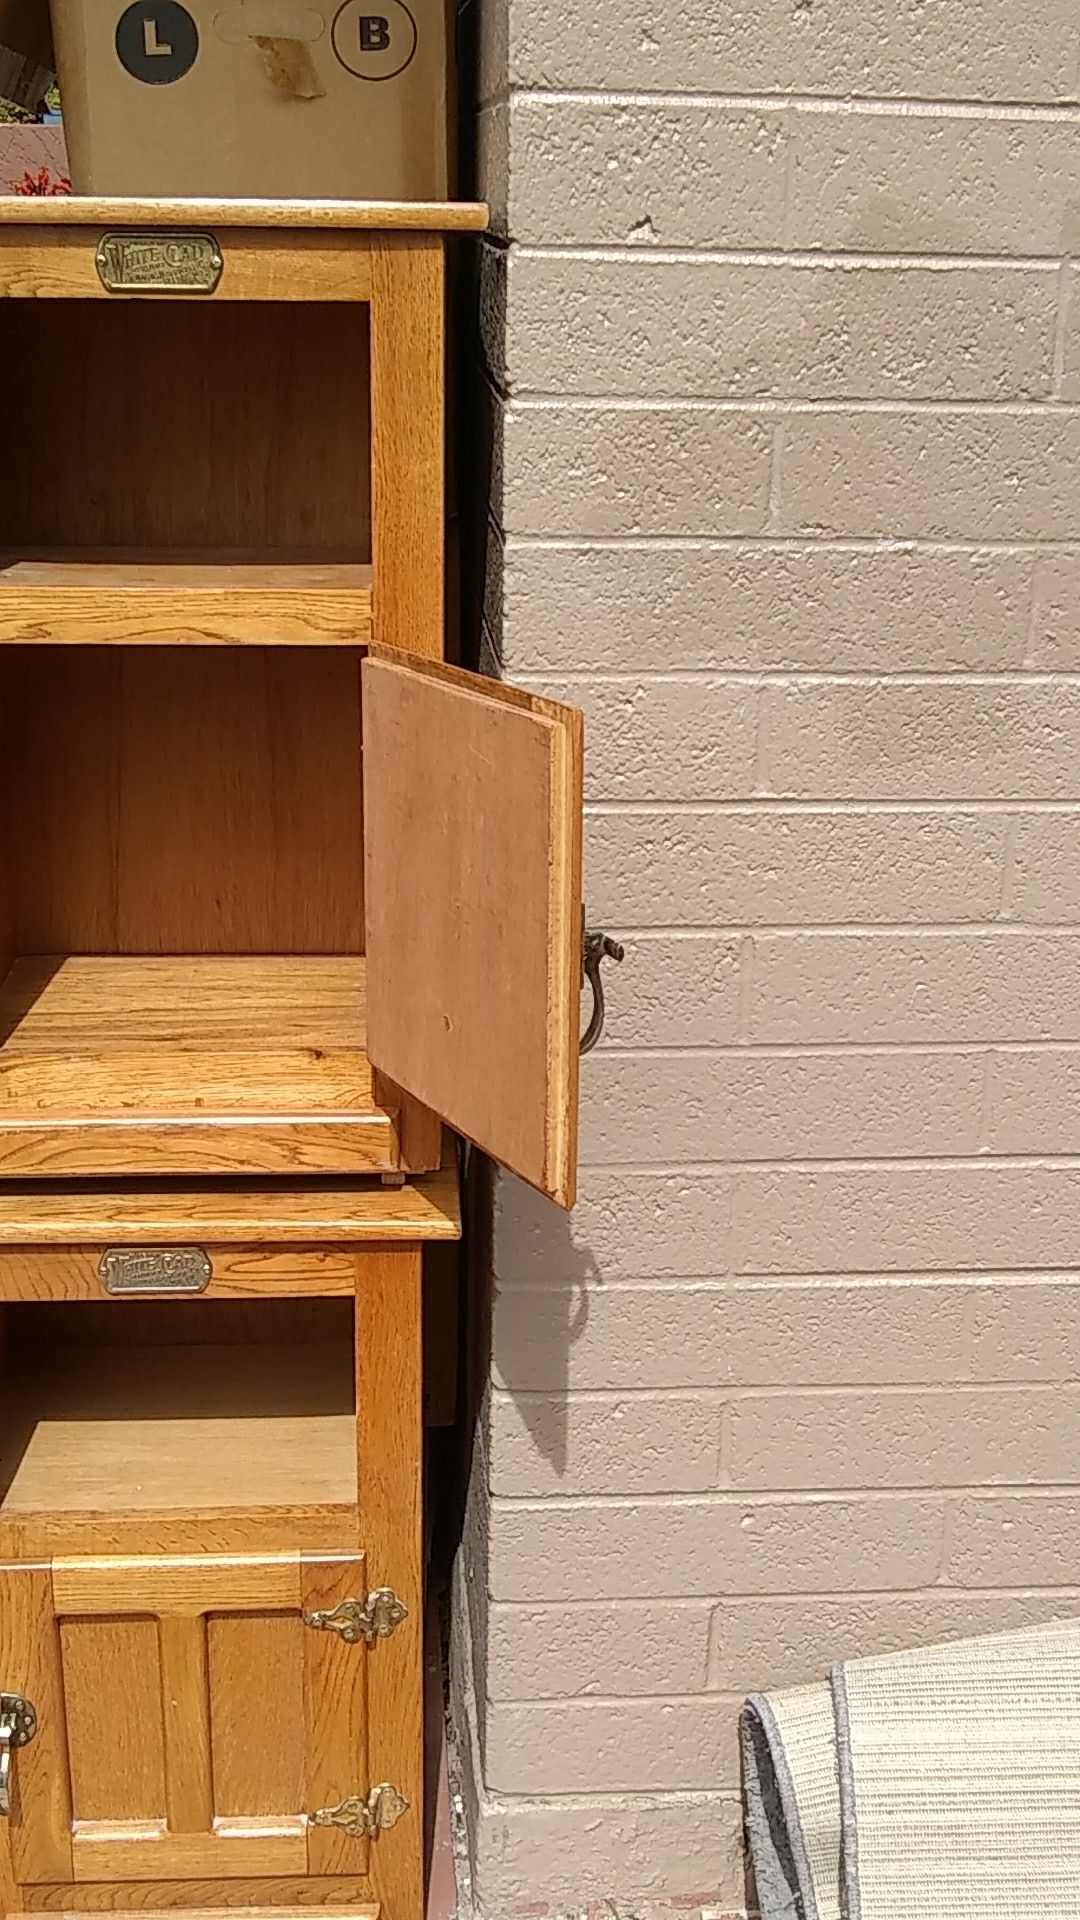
x,y
211,1579
259,849
282,896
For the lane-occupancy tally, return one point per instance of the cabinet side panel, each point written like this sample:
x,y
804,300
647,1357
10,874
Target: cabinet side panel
x,y
390,1477
408,442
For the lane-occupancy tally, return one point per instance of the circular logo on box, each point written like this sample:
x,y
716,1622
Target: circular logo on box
x,y
375,39
157,41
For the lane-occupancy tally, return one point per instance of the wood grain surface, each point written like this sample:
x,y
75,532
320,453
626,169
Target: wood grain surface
x,y
189,800
50,262
381,216
144,1212
80,597
473,883
112,1064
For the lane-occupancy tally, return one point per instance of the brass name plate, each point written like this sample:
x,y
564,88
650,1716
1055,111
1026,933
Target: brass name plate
x,y
159,262
155,1270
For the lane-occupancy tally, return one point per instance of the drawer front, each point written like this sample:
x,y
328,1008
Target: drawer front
x,y
194,1721
61,264
192,1271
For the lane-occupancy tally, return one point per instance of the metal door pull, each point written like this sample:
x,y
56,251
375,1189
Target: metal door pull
x,y
18,1725
596,947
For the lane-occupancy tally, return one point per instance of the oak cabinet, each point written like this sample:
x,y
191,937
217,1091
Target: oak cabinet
x,y
283,895
211,1572
259,847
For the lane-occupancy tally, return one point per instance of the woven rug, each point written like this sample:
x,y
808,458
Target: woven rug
x,y
937,1784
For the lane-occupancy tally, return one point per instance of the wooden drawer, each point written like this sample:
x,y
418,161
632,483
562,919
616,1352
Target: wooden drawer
x,y
196,1720
196,1270
261,1240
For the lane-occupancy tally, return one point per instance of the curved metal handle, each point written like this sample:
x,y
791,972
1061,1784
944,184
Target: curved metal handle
x,y
595,948
18,1725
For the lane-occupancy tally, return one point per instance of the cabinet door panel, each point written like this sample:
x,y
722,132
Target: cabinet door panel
x,y
39,1828
472,837
257,1758
116,1753
189,1721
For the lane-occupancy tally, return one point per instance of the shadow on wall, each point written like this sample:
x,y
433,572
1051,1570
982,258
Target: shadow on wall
x,y
542,1279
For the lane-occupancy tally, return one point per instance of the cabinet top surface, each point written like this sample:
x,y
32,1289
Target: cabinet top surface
x,y
383,216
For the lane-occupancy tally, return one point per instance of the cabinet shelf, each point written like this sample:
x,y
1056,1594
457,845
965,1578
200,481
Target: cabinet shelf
x,y
83,596
114,1065
176,1430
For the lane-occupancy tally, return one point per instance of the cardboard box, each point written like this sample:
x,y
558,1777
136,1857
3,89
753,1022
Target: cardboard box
x,y
27,67
256,98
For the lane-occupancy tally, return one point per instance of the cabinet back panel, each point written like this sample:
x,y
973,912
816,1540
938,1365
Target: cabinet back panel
x,y
36,1325
164,800
154,425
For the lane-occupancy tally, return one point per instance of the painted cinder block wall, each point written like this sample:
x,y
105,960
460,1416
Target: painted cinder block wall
x,y
783,332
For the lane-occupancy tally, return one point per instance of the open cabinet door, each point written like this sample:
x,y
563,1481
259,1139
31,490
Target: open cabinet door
x,y
472,849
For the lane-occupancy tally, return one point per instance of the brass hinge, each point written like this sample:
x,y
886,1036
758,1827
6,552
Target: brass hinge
x,y
372,1619
363,1819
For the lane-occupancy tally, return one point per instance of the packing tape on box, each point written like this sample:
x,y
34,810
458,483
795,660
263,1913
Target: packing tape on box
x,y
289,67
